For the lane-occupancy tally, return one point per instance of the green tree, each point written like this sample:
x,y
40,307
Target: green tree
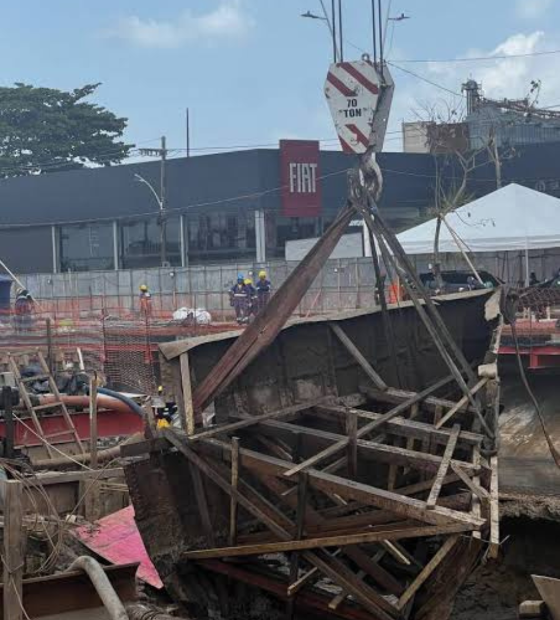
x,y
48,130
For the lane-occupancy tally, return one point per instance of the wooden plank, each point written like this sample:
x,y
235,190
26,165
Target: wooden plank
x,y
296,586
396,396
186,385
370,449
461,403
252,420
317,523
425,485
91,503
274,447
175,367
339,598
427,571
29,405
93,421
368,428
494,550
403,427
443,468
202,504
58,399
257,336
406,507
393,550
369,598
407,530
351,431
326,564
14,554
476,508
300,525
66,477
357,355
409,445
478,490
234,485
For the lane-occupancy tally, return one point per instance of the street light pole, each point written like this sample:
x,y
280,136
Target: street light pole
x,y
163,203
329,21
162,197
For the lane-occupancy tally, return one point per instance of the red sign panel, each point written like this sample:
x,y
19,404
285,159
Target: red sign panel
x,y
299,176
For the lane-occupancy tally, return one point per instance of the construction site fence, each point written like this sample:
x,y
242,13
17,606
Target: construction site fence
x,y
342,284
123,351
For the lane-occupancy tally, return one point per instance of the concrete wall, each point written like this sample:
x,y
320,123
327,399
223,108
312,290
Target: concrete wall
x,y
343,284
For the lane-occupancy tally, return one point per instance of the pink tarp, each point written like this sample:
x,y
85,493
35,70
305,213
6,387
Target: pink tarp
x,y
117,539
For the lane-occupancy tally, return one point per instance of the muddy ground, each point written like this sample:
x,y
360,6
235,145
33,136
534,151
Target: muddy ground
x,y
530,528
496,589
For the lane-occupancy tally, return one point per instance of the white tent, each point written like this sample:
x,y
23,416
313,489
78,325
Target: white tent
x,y
511,218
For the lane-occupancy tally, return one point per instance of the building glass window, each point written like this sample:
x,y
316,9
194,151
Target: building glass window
x,y
221,236
86,247
140,242
281,229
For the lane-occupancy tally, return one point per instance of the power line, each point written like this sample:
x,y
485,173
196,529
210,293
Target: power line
x,y
425,79
58,163
238,198
476,58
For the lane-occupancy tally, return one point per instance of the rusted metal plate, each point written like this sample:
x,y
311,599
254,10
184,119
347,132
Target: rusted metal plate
x,y
304,362
73,591
549,589
116,538
268,323
110,424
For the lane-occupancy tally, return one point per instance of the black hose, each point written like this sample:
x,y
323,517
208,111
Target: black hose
x,y
135,407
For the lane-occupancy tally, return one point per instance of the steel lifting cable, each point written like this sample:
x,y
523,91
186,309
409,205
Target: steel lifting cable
x,y
510,314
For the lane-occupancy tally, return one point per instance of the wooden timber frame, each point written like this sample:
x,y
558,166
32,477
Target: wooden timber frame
x,y
318,483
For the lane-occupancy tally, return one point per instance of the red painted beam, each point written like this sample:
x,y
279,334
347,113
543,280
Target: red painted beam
x,y
109,424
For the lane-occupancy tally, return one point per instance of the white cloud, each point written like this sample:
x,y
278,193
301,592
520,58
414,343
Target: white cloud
x,y
227,20
500,77
507,77
532,9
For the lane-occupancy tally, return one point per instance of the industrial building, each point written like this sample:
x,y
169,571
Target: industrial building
x,y
236,206
507,123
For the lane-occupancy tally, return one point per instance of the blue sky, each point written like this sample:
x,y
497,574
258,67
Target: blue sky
x,y
252,71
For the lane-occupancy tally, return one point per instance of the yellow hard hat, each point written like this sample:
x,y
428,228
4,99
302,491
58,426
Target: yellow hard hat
x,y
143,287
248,281
262,274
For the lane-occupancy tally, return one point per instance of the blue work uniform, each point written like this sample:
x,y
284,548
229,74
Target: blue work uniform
x,y
263,293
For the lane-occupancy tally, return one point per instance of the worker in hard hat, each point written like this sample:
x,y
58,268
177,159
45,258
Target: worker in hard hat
x,y
23,310
145,302
163,410
240,299
252,295
264,288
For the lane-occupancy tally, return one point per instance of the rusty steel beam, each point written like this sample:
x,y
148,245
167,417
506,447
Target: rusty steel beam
x,y
73,591
268,323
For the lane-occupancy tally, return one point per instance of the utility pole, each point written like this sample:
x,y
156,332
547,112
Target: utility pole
x,y
188,133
